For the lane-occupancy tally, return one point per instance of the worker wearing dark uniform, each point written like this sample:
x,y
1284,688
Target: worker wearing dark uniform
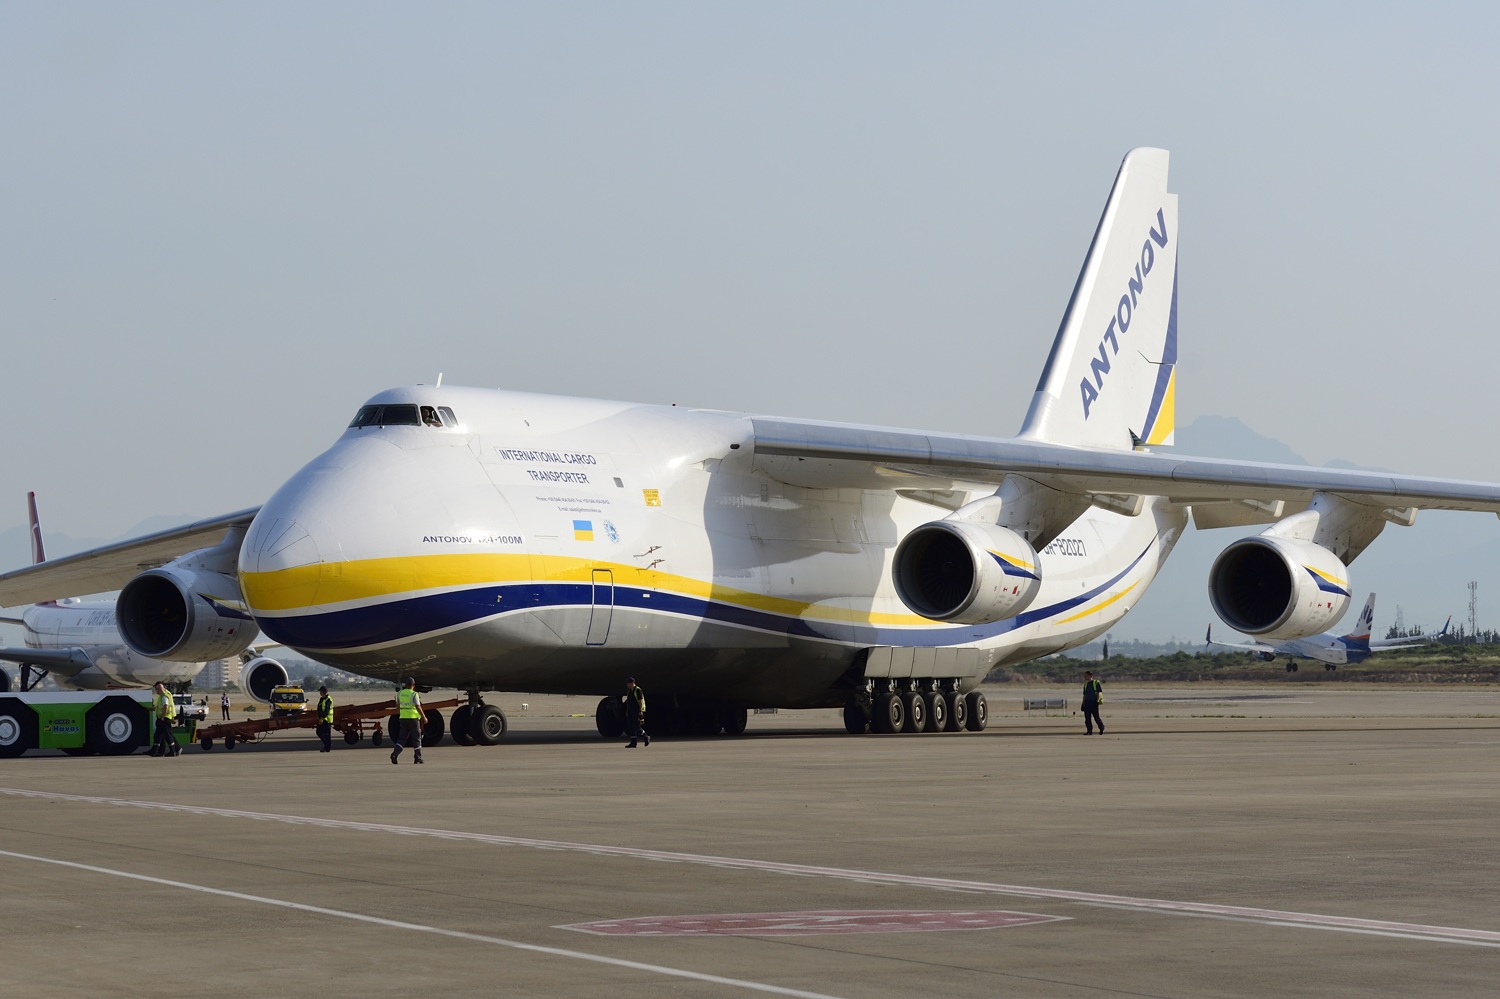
x,y
164,710
409,712
635,713
325,720
1093,696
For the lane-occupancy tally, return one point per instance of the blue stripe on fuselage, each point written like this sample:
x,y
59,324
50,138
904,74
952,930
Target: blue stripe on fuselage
x,y
406,618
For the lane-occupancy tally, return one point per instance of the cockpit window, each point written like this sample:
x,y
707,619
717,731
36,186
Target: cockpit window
x,y
448,418
430,417
386,416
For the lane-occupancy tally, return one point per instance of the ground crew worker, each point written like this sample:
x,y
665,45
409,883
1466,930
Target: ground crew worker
x,y
409,717
635,713
325,720
1093,696
164,710
224,704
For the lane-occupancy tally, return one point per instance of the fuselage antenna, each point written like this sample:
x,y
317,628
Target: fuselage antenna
x,y
440,380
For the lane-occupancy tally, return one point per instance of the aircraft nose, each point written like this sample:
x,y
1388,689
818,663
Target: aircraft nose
x,y
332,510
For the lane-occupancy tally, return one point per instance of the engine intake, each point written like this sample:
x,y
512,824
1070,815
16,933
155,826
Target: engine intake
x,y
184,615
965,572
1277,588
260,676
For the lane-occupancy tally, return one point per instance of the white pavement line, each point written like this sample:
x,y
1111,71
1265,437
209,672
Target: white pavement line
x,y
398,924
1268,917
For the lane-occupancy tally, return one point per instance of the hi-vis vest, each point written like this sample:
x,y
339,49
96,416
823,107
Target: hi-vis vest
x,y
406,699
325,710
165,706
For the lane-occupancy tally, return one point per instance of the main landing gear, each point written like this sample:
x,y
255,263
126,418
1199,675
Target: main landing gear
x,y
915,706
668,714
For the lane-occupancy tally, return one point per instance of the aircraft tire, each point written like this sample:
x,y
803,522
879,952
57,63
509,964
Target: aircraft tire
x,y
916,713
459,727
937,711
609,718
958,711
734,718
979,711
433,727
488,725
116,726
890,714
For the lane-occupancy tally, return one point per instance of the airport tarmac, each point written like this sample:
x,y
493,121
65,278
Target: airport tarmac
x,y
1294,840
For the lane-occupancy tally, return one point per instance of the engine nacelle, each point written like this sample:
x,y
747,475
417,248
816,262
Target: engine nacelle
x,y
1277,588
260,676
184,615
966,572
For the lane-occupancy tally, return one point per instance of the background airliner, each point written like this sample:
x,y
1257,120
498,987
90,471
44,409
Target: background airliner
x,y
1331,650
77,643
496,540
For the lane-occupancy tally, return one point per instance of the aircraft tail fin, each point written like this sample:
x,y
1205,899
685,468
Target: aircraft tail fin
x,y
1110,379
38,553
1365,624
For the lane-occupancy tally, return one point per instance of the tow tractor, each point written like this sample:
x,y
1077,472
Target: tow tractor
x,y
353,720
81,723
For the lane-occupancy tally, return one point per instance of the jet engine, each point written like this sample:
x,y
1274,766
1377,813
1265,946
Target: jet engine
x,y
184,615
260,676
966,572
1278,588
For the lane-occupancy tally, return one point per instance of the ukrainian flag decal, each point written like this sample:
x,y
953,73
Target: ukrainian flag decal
x,y
583,530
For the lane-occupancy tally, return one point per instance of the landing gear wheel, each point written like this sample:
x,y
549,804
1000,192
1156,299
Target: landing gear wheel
x,y
735,719
856,718
890,714
937,710
1291,667
979,711
488,725
351,737
459,727
609,718
958,711
432,727
916,712
393,727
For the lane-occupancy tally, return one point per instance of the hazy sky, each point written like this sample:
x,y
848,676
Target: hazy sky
x,y
226,225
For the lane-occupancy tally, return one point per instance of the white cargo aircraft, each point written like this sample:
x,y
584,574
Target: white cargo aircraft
x,y
78,644
1329,649
496,540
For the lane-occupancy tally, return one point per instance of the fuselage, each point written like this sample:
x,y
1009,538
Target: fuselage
x,y
500,540
89,627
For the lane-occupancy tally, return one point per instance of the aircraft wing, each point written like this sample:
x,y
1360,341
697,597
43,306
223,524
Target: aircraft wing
x,y
112,566
1208,639
65,661
828,454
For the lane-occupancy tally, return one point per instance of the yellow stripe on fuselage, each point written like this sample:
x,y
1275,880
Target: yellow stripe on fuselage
x,y
329,585
1096,608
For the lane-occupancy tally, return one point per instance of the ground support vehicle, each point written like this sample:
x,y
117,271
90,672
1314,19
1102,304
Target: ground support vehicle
x,y
353,720
81,723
